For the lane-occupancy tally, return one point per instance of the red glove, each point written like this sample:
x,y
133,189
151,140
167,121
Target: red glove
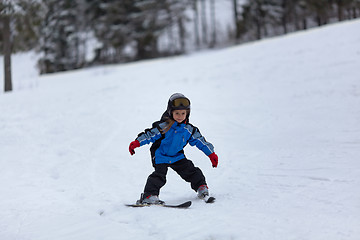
x,y
214,159
133,145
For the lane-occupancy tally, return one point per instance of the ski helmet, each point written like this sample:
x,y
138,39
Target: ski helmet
x,y
178,101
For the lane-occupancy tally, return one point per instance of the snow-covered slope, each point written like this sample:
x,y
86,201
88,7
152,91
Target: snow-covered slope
x,y
283,115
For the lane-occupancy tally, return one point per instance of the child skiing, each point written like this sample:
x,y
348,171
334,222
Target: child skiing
x,y
168,137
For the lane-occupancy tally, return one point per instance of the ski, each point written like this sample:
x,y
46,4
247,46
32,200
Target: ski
x,y
182,205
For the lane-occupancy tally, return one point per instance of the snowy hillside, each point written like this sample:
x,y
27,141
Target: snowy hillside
x,y
283,115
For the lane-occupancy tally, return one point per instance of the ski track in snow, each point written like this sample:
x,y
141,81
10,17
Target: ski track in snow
x,y
282,113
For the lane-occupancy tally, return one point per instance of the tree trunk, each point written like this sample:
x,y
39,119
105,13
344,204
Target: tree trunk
x,y
236,16
7,53
340,11
284,18
213,23
196,25
182,33
204,21
258,21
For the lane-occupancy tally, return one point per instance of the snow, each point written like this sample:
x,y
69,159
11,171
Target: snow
x,y
282,113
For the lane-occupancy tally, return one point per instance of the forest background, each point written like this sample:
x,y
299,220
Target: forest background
x,y
73,34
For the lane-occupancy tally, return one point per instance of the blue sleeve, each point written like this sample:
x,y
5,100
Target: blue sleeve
x,y
199,141
149,136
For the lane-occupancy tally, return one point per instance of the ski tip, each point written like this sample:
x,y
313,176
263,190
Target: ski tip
x,y
186,204
182,205
209,199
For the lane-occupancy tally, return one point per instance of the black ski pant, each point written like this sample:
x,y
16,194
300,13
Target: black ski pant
x,y
185,168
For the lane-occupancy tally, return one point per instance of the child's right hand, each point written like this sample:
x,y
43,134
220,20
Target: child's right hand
x,y
133,145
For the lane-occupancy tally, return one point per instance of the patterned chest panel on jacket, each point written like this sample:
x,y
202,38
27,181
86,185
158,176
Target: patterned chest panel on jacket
x,y
175,140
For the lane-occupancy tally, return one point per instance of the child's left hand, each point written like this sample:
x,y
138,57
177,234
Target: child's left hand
x,y
214,159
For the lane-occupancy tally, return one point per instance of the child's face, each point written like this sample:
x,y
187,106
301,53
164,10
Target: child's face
x,y
179,115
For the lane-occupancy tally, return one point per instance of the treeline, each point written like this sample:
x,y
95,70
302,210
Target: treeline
x,y
72,34
264,18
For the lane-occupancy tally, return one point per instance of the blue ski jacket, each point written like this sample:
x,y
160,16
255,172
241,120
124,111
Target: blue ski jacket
x,y
169,147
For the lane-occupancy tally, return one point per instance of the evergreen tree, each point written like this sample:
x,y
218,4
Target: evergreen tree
x,y
112,26
60,37
25,20
176,19
148,26
347,9
320,10
256,16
